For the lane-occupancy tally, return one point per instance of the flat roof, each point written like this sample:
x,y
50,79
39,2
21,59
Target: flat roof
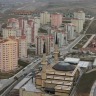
x,y
31,86
83,64
72,60
20,84
94,64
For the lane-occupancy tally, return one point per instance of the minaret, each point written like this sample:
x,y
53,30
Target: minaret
x,y
44,64
56,51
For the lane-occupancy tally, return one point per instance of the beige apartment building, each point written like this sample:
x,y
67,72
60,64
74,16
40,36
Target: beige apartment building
x,y
8,55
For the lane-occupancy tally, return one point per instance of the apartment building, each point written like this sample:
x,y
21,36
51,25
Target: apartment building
x,y
49,39
56,19
8,31
45,18
8,55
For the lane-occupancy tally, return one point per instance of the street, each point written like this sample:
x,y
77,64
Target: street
x,y
20,74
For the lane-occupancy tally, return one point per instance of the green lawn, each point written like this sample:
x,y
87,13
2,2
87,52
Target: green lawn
x,y
31,52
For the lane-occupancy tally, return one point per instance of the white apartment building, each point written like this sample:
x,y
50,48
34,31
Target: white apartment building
x,y
70,29
78,23
49,40
8,31
45,18
28,34
79,14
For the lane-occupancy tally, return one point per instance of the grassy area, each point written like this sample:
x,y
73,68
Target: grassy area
x,y
82,42
85,83
42,30
31,52
22,63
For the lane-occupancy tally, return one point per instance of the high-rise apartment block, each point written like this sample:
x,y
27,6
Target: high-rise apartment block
x,y
80,15
49,40
8,55
44,18
56,19
8,31
78,23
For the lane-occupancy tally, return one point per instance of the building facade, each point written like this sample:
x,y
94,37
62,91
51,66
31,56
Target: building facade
x,y
70,29
56,19
8,55
8,31
79,15
44,18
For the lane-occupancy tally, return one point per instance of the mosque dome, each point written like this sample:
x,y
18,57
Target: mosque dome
x,y
63,66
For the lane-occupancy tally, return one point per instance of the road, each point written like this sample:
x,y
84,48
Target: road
x,y
94,93
20,74
89,25
65,50
24,71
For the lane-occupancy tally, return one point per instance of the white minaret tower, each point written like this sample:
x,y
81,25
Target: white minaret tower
x,y
56,51
44,65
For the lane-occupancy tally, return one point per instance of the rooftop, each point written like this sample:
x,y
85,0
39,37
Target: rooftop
x,y
31,86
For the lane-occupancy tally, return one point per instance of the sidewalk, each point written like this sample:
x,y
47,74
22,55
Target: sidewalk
x,y
93,89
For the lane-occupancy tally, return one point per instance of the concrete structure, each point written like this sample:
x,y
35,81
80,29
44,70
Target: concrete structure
x,y
70,30
78,23
44,18
56,19
49,39
8,55
8,31
79,14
